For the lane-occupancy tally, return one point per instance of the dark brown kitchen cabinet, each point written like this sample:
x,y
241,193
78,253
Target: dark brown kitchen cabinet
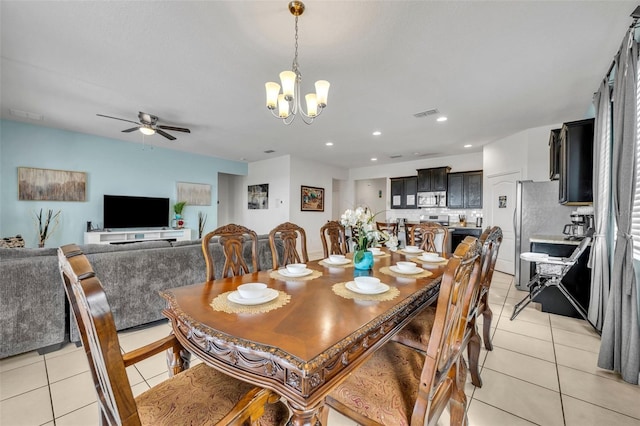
x,y
464,190
576,162
554,154
403,192
435,179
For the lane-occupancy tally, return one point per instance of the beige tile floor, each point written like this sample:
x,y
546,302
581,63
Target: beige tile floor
x,y
542,371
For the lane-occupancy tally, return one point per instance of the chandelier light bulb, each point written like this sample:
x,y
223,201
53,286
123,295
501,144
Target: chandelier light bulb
x,y
283,107
288,80
312,104
322,92
272,94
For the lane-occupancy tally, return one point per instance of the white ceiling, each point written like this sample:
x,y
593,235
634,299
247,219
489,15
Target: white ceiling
x,y
494,68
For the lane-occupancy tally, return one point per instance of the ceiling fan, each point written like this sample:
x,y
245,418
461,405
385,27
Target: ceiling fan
x,y
148,125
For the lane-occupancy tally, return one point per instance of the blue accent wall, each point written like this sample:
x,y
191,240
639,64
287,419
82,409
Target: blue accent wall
x,y
112,167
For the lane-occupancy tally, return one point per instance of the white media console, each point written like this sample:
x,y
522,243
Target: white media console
x,y
115,237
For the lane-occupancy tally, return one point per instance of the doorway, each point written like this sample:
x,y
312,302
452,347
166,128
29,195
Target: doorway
x,y
500,210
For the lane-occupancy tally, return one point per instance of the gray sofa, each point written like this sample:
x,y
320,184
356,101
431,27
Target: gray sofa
x,y
33,308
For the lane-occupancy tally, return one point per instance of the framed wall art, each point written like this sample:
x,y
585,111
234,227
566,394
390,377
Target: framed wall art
x,y
258,197
51,185
311,199
195,194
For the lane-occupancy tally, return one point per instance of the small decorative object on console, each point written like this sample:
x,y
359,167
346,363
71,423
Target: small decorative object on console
x,y
177,208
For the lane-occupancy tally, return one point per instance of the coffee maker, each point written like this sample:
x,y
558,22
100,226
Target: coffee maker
x,y
580,223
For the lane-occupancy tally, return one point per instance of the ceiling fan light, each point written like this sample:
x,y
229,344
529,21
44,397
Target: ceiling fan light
x,y
322,92
288,80
273,89
147,130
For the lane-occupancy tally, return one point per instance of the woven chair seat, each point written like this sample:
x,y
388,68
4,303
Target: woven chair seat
x,y
417,332
384,389
210,396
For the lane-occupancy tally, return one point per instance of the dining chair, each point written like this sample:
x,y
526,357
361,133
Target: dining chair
x,y
288,233
199,395
333,237
399,385
390,227
231,238
416,333
436,242
490,241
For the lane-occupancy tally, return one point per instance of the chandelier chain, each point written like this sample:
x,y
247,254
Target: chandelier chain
x,y
294,66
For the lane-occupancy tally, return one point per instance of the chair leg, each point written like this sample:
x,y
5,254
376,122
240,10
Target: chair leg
x,y
473,353
487,315
458,400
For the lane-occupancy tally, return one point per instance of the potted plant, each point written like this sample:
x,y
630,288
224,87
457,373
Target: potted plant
x,y
177,209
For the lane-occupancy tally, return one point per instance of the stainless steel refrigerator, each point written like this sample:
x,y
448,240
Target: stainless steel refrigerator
x,y
538,212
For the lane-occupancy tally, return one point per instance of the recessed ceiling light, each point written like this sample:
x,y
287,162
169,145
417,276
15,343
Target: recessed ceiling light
x,y
374,159
329,144
441,119
468,145
377,133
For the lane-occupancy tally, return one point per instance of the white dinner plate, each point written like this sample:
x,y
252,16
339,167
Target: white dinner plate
x,y
341,262
285,273
432,259
351,285
412,252
532,257
397,270
269,295
380,253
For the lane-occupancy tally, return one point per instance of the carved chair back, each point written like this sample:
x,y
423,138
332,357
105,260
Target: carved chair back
x,y
99,337
444,373
333,237
390,227
289,234
437,243
232,238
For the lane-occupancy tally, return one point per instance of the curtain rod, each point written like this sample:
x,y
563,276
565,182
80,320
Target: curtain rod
x,y
636,17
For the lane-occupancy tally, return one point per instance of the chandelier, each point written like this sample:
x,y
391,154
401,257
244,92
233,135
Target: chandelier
x,y
288,103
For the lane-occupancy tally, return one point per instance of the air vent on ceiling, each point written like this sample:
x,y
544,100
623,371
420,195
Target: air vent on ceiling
x,y
395,156
269,151
26,114
426,113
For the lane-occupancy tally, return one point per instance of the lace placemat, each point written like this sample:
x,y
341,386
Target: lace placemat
x,y
222,304
333,265
278,276
385,270
380,256
342,291
422,262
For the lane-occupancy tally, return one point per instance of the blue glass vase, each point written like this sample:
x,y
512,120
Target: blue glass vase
x,y
363,260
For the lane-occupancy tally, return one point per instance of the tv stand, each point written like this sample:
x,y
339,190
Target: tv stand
x,y
132,236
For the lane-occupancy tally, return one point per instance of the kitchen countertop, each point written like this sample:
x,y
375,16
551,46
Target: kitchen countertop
x,y
552,239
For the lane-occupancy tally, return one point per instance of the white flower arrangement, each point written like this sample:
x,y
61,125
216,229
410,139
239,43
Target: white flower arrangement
x,y
361,220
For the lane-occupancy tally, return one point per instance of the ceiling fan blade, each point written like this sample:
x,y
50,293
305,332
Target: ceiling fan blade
x,y
175,129
116,118
133,129
165,134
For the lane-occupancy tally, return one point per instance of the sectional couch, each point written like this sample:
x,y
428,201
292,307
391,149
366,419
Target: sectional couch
x,y
33,309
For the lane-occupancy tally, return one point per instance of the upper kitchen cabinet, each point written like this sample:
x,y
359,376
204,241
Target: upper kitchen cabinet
x,y
403,192
464,190
576,162
554,154
430,180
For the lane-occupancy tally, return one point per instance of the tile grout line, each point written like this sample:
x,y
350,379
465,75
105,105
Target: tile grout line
x,y
555,357
46,372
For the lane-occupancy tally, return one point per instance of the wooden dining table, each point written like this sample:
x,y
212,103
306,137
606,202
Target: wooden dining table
x,y
304,348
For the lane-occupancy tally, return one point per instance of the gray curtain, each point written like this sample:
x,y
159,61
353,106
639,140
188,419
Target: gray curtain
x,y
620,346
600,248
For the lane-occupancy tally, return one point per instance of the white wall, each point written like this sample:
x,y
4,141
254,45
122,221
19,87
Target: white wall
x,y
367,194
526,151
310,173
276,173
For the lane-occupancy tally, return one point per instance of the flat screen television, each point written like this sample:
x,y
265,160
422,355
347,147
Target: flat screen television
x,y
122,211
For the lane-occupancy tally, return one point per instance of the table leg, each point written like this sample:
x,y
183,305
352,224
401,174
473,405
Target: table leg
x,y
307,416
